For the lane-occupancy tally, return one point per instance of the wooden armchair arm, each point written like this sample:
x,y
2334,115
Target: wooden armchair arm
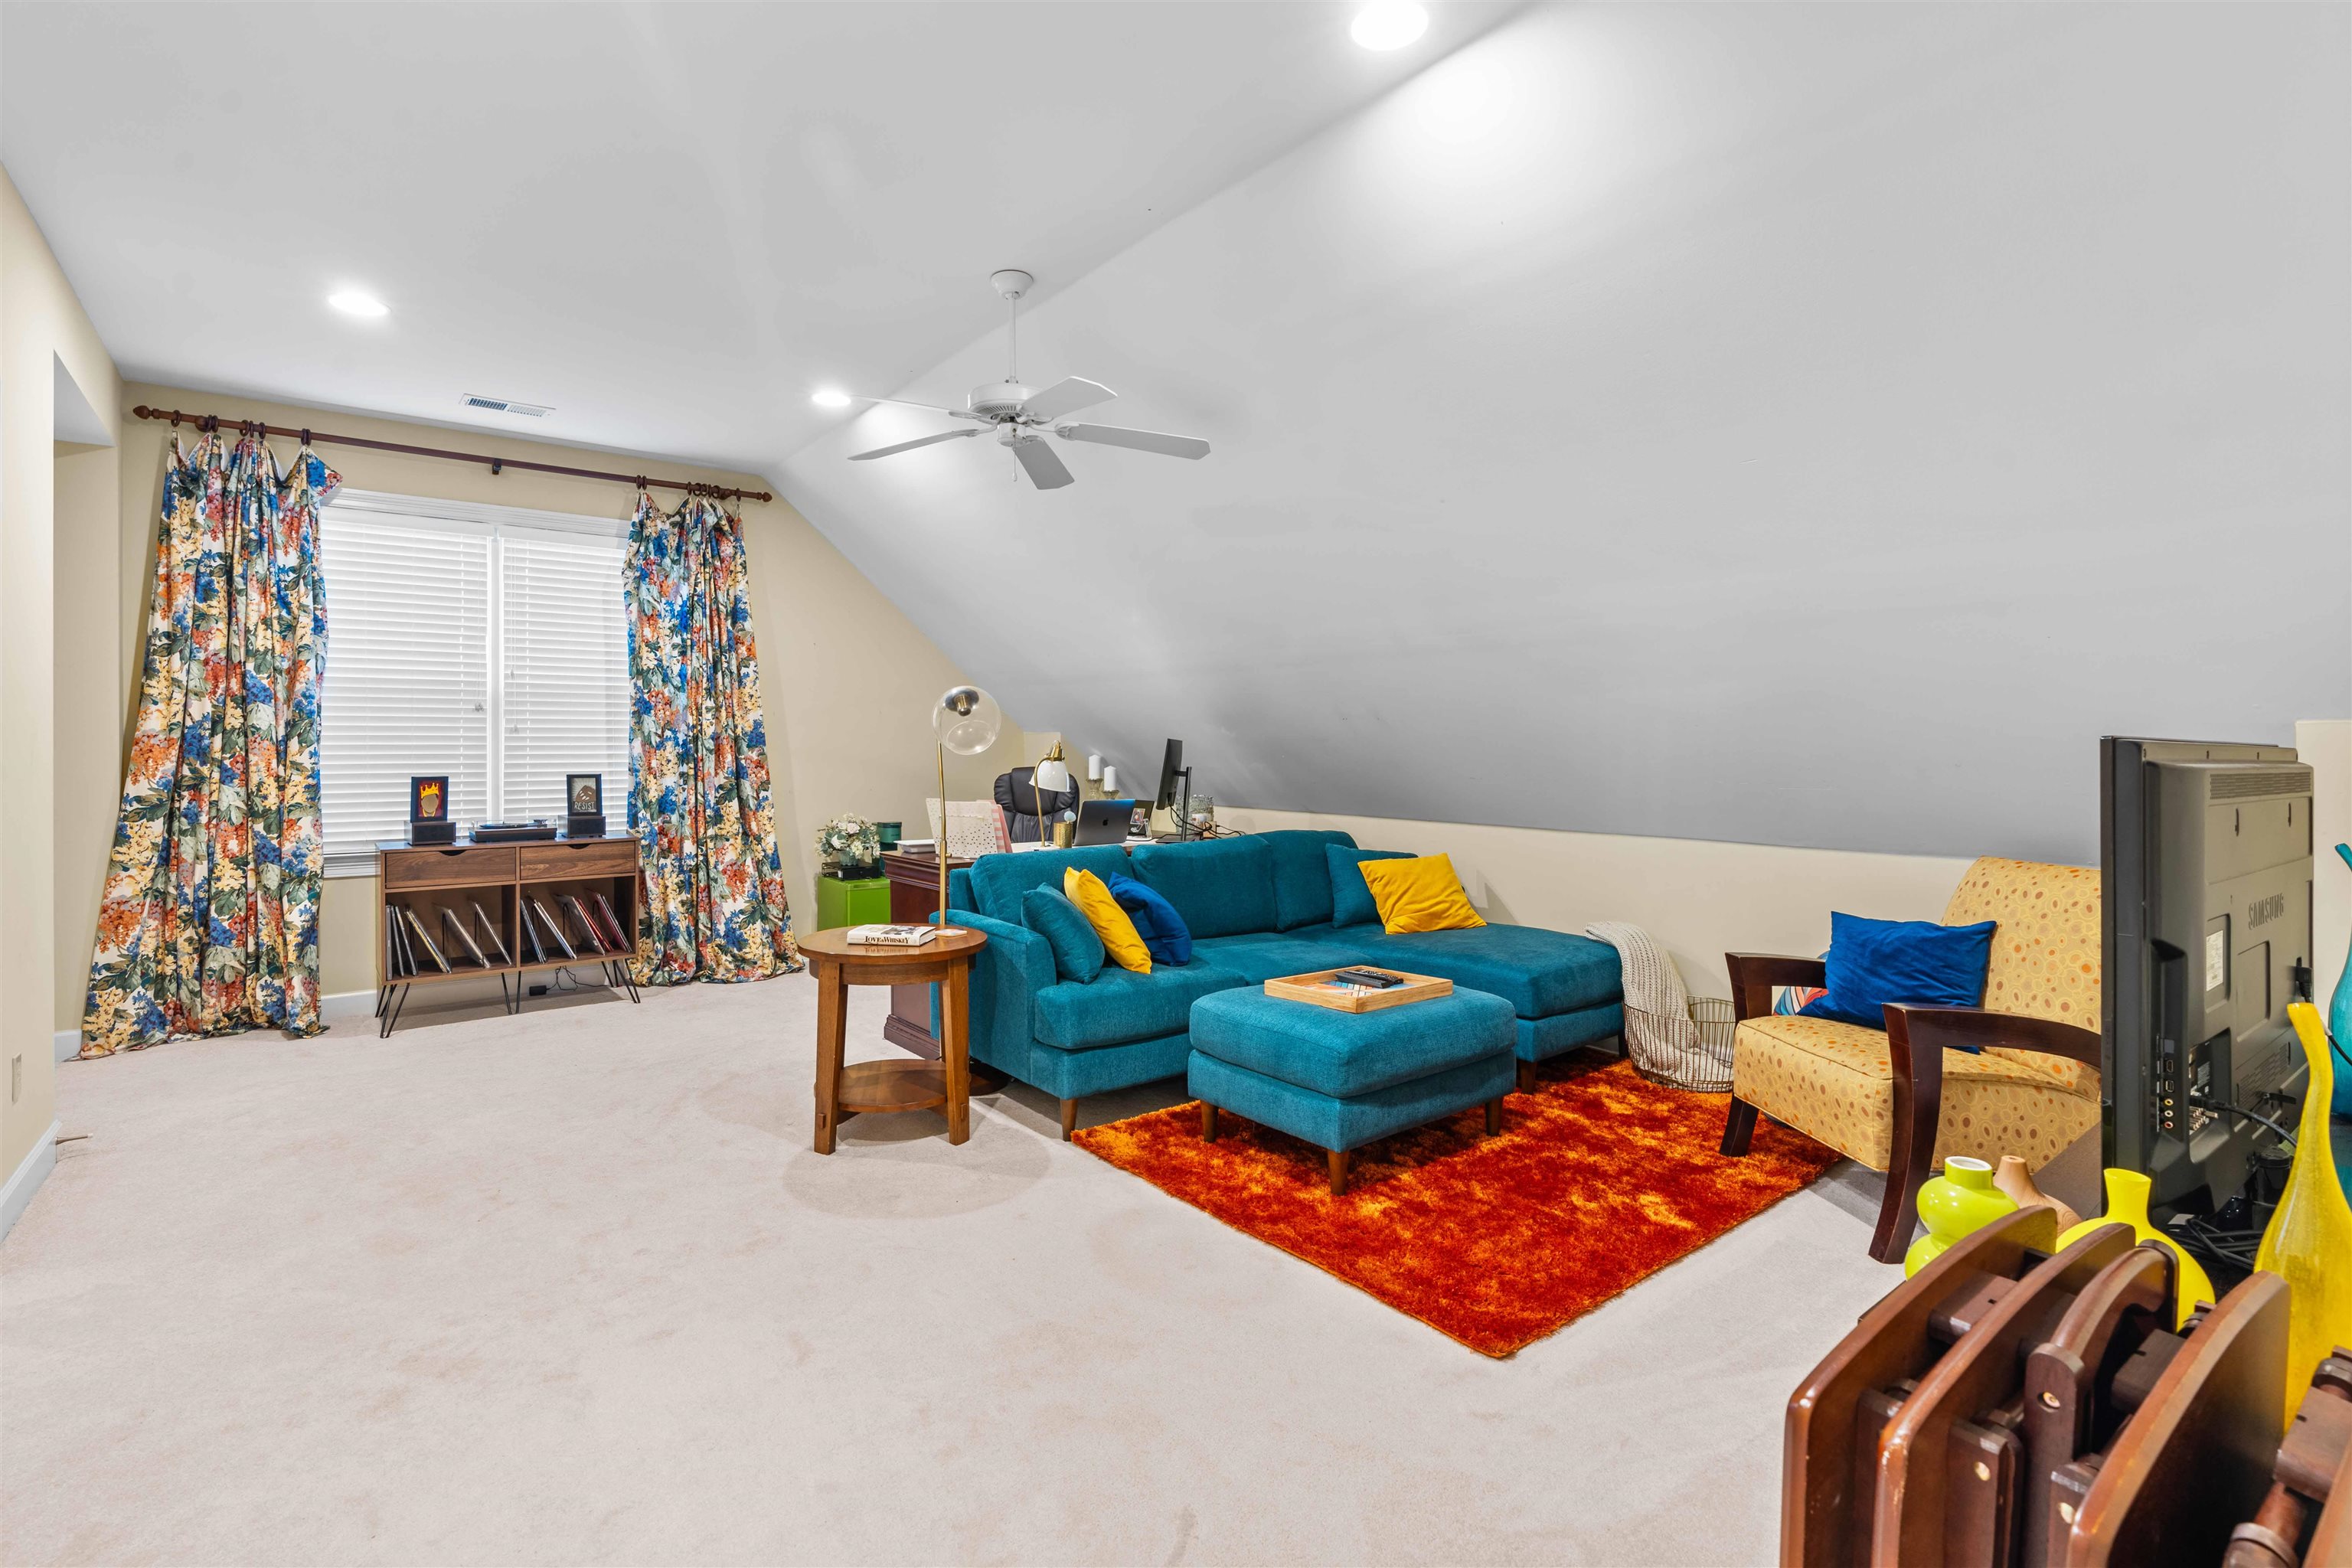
x,y
1753,976
1917,1039
1974,1028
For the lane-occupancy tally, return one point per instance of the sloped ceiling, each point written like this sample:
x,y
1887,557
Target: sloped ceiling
x,y
670,221
1791,424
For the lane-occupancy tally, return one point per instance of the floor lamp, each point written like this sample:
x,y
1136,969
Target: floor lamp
x,y
966,722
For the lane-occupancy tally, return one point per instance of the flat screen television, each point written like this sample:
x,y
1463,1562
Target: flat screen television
x,y
2205,863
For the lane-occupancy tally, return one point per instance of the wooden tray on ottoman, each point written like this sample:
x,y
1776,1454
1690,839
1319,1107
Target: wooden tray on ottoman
x,y
1323,992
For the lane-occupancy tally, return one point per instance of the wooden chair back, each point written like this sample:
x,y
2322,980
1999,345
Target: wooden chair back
x,y
2196,1458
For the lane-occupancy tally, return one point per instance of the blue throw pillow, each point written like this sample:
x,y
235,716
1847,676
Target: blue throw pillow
x,y
1872,963
1352,898
1156,920
1078,951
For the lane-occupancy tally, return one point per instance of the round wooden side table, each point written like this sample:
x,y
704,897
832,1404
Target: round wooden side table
x,y
839,963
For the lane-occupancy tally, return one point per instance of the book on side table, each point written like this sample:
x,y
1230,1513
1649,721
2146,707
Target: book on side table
x,y
893,936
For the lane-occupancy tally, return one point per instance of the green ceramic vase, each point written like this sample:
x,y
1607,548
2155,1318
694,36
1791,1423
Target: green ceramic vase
x,y
1961,1200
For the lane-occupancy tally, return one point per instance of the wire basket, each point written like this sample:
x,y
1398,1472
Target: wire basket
x,y
1707,1070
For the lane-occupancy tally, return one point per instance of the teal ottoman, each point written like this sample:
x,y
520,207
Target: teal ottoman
x,y
1341,1080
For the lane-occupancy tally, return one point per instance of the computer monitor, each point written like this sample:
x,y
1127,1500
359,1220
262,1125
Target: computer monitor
x,y
2205,864
1170,767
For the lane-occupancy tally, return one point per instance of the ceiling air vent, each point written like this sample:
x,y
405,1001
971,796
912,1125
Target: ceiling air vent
x,y
507,406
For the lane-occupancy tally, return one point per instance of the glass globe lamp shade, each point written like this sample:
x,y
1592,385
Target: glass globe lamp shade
x,y
967,720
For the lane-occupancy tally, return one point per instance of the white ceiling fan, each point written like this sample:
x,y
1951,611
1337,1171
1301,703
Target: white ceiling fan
x,y
1020,417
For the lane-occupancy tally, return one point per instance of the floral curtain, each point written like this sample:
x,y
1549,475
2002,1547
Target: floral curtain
x,y
209,924
698,792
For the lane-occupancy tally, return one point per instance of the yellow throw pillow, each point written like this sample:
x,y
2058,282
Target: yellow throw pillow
x,y
1420,894
1086,890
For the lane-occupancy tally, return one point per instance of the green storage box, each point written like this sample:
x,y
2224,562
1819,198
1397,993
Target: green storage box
x,y
866,902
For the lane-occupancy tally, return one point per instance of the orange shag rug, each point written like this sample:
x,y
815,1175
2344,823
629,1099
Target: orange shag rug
x,y
1598,1180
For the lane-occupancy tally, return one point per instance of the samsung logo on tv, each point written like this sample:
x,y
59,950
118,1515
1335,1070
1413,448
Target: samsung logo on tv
x,y
2266,909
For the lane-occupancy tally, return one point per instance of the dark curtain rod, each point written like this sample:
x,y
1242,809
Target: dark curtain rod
x,y
256,428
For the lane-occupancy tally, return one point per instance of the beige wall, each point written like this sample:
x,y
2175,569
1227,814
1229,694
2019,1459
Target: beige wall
x,y
847,681
1700,899
44,508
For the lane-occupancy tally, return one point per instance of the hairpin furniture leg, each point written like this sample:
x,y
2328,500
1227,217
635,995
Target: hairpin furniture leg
x,y
384,1031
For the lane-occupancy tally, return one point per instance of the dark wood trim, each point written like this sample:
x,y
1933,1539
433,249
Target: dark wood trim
x,y
1974,1028
1753,976
1916,1039
1738,1127
1918,1107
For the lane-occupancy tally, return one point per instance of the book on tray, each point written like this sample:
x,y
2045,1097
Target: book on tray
x,y
893,936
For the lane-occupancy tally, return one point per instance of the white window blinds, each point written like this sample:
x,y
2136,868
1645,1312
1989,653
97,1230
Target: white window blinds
x,y
567,669
487,643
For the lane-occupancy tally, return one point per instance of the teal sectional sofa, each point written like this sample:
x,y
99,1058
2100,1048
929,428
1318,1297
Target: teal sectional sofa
x,y
1258,905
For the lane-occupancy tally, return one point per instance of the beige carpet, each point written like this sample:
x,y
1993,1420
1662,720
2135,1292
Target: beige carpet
x,y
572,1287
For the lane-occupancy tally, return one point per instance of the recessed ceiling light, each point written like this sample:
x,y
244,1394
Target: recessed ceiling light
x,y
351,303
1388,24
829,398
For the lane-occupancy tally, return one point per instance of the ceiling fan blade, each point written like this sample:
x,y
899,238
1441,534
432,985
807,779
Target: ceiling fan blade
x,y
1158,441
910,446
1066,397
1045,470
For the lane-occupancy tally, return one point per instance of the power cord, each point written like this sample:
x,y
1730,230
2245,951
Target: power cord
x,y
2215,1105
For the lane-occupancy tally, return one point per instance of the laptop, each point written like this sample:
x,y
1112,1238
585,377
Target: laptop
x,y
1104,821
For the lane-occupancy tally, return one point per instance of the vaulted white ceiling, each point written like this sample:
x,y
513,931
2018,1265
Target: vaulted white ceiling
x,y
1806,424
671,222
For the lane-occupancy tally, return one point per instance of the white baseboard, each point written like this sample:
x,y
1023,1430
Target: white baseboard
x,y
346,1004
69,1044
26,1178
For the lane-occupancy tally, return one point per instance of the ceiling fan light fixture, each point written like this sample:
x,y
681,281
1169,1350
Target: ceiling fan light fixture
x,y
829,398
1388,24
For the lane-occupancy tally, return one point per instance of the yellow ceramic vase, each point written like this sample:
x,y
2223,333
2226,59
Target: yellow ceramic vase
x,y
2308,1242
2127,1204
1960,1201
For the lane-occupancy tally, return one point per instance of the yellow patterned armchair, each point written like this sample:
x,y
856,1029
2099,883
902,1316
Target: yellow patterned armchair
x,y
2017,1076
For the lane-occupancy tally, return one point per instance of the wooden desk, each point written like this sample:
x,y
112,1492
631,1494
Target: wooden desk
x,y
497,878
839,963
914,901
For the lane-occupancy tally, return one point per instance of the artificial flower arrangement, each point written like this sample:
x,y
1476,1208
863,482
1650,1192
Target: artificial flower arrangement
x,y
848,841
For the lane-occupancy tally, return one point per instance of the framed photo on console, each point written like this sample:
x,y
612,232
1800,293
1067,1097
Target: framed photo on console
x,y
428,810
583,805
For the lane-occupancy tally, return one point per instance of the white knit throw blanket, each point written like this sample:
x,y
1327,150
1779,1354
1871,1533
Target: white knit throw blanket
x,y
1659,1034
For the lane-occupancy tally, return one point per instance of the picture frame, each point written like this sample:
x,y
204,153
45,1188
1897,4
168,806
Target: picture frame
x,y
1139,820
583,795
428,797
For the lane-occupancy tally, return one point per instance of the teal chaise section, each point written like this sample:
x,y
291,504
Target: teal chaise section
x,y
1258,906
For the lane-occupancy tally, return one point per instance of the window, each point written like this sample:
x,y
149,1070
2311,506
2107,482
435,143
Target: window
x,y
488,643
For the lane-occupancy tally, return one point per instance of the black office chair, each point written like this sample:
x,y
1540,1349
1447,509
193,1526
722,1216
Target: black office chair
x,y
1017,792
